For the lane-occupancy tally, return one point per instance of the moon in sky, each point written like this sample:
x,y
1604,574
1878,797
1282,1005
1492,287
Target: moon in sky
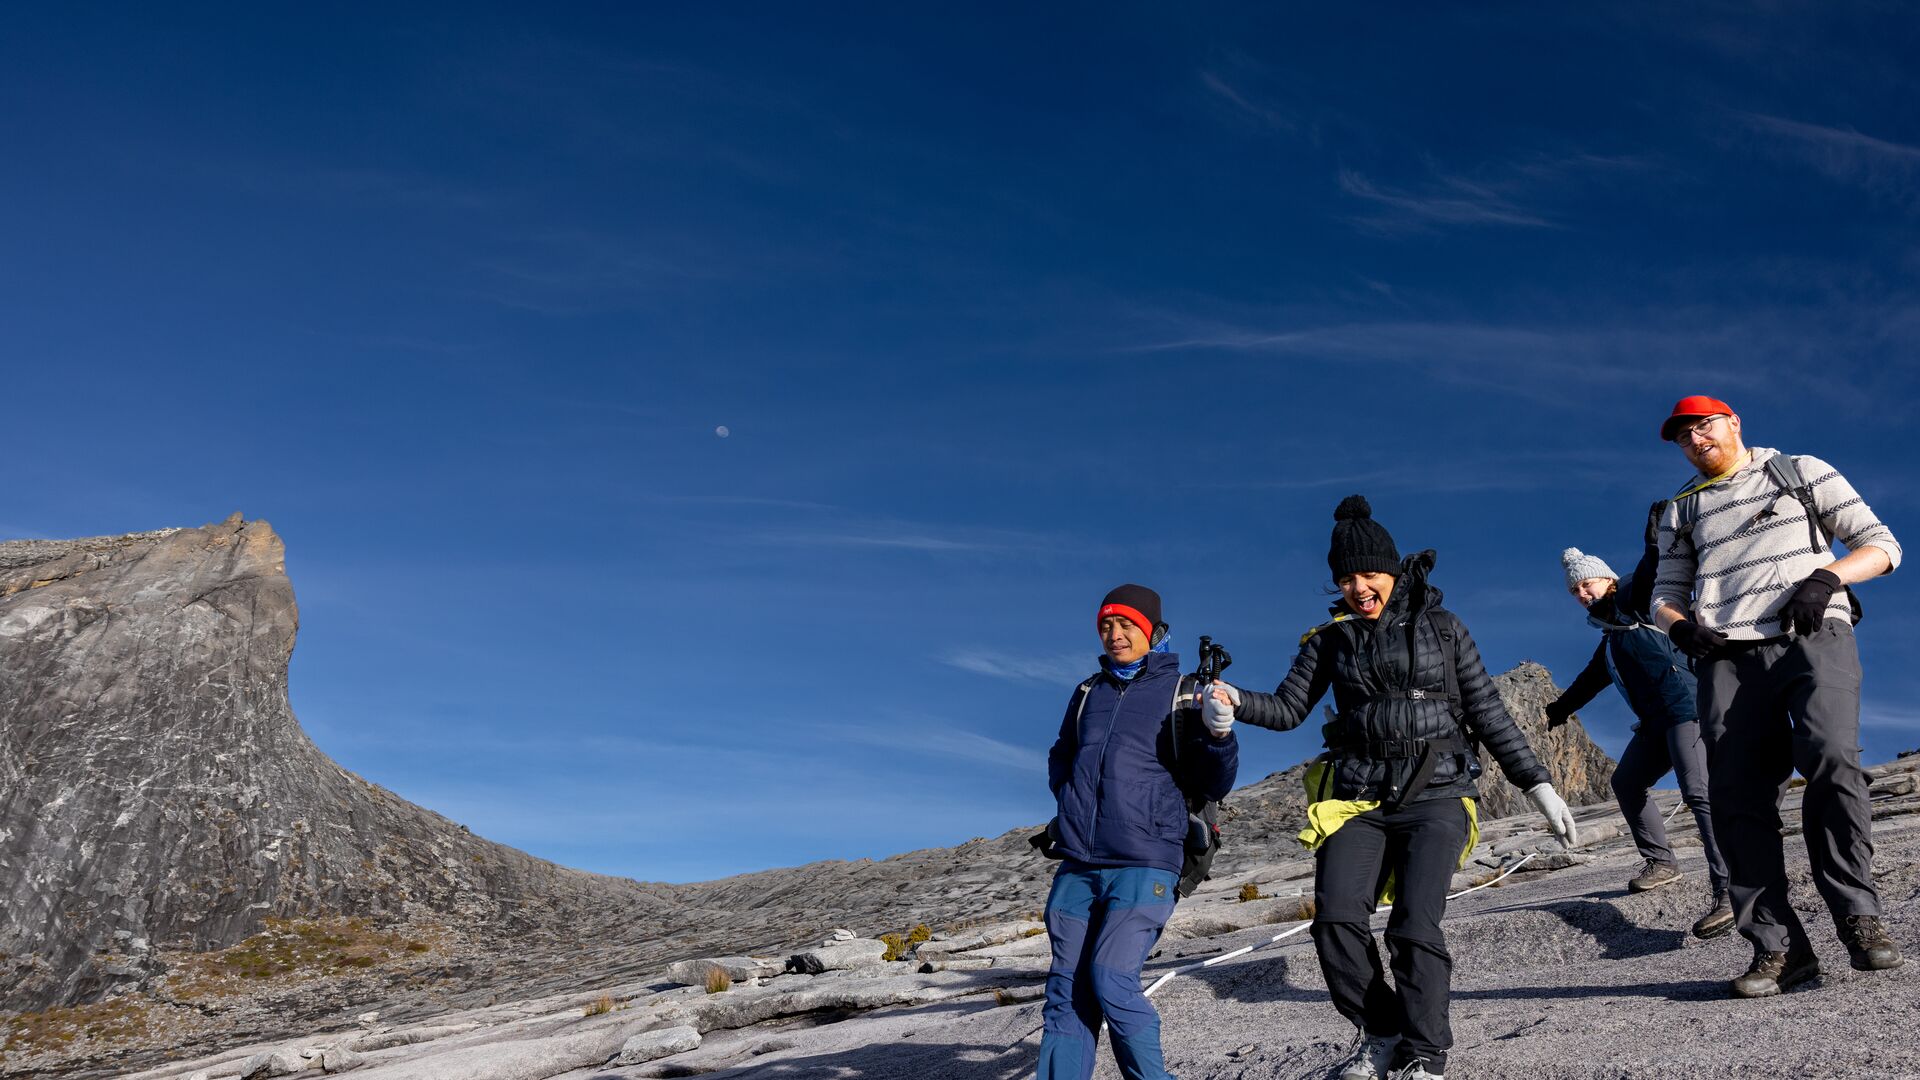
x,y
722,431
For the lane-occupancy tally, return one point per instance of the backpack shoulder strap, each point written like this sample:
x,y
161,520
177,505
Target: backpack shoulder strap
x,y
1785,473
1184,688
1081,694
1686,505
1329,624
1450,656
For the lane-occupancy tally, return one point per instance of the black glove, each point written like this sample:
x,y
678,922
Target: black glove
x,y
1695,640
1557,714
1047,841
1806,609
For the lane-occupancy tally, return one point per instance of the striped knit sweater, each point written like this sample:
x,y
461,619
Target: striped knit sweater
x,y
1751,547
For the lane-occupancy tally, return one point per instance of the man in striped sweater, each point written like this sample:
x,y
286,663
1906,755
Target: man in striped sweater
x,y
1748,586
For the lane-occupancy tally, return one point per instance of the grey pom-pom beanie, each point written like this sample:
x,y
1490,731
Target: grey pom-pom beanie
x,y
1581,566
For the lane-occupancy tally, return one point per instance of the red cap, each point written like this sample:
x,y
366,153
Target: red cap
x,y
1130,614
1688,407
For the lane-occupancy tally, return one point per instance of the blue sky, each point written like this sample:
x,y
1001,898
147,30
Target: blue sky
x,y
999,310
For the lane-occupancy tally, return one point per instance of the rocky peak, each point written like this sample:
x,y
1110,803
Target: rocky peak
x,y
157,792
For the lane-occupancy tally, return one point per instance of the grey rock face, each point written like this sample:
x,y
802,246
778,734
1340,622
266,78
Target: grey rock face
x,y
155,787
736,968
271,1064
656,1044
841,956
1580,770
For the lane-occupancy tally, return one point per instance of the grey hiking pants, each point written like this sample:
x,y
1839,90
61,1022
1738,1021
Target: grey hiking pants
x,y
1648,756
1766,709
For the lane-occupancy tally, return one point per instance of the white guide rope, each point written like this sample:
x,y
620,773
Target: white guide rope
x,y
1284,934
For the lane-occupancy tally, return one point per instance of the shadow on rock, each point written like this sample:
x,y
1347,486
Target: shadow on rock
x,y
1685,990
1264,981
889,1061
1619,937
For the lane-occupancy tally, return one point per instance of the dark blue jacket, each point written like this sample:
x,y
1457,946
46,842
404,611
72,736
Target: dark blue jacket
x,y
1635,656
1121,781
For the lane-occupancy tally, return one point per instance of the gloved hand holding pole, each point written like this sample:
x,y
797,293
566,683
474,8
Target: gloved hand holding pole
x,y
1218,702
1554,809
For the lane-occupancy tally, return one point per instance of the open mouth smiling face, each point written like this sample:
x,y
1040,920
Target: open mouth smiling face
x,y
1366,593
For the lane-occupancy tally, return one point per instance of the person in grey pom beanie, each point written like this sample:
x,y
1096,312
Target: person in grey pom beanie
x,y
1639,660
1583,567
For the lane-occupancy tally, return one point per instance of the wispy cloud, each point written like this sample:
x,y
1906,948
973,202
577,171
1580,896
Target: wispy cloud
x,y
1451,201
940,739
1894,717
1268,116
1886,168
1045,670
912,536
1510,193
1787,351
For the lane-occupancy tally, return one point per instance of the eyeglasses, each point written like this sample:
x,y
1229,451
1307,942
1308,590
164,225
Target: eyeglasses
x,y
1700,429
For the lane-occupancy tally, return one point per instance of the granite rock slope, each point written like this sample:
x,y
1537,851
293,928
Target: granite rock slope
x,y
157,792
1559,972
158,800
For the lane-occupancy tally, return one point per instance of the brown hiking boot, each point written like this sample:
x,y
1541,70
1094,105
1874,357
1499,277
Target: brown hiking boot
x,y
1717,921
1653,875
1868,946
1775,972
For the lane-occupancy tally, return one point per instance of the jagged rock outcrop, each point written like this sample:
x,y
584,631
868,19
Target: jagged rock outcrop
x,y
156,790
1581,770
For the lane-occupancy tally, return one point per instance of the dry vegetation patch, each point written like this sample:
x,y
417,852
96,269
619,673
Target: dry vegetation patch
x,y
72,1027
298,948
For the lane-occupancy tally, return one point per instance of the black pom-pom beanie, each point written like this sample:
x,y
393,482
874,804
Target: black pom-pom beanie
x,y
1360,545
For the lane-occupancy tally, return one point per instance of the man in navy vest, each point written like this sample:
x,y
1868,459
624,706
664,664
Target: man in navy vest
x,y
1122,771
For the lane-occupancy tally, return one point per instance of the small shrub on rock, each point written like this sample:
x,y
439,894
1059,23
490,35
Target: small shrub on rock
x,y
1250,892
919,933
896,947
599,1006
718,980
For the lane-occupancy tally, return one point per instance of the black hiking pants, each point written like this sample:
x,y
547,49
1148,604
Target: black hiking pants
x,y
1766,709
1419,845
1654,749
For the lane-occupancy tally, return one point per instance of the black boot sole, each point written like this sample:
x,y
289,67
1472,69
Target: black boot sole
x,y
1861,964
1717,932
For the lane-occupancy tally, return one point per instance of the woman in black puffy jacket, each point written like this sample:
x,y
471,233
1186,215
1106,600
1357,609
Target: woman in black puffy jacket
x,y
1411,697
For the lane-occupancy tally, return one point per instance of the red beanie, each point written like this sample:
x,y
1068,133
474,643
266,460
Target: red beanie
x,y
1137,604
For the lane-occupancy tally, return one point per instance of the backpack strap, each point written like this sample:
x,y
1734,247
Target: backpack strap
x,y
1686,505
1785,473
1308,636
1082,693
1450,651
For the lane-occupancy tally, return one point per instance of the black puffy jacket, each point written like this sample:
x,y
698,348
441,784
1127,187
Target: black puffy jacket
x,y
1390,688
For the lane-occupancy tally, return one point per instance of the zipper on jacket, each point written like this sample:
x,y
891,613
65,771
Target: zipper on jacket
x,y
1100,761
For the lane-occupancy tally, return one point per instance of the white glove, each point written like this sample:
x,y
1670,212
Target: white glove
x,y
1554,809
1218,714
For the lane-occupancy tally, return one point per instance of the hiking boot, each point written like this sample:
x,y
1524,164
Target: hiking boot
x,y
1416,1070
1717,921
1653,875
1370,1058
1774,972
1868,946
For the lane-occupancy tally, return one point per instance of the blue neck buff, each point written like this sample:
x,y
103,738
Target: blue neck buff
x,y
1128,671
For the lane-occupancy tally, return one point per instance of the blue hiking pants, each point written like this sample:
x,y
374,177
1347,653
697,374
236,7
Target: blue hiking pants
x,y
1103,921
